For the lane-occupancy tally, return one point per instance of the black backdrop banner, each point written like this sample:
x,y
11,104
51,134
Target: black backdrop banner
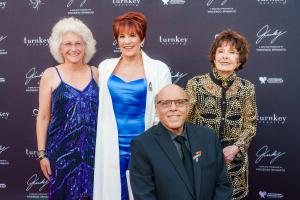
x,y
179,34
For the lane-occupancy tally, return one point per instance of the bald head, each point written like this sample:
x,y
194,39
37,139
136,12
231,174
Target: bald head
x,y
173,90
172,107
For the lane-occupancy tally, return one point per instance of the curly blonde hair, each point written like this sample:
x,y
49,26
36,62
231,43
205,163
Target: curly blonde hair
x,y
74,25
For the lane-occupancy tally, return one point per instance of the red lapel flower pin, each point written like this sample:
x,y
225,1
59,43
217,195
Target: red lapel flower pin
x,y
197,155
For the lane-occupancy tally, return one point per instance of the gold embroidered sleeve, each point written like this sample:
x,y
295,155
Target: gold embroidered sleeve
x,y
249,115
192,99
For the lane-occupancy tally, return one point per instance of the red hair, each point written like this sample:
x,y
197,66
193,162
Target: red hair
x,y
130,21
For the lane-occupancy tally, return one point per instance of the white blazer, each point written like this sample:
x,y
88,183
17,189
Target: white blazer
x,y
107,185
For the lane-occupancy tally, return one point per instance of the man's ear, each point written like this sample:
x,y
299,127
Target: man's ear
x,y
156,109
156,117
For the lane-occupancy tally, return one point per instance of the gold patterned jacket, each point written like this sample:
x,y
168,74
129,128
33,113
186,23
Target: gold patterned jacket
x,y
229,108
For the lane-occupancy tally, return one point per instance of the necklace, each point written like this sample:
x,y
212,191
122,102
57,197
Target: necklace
x,y
225,82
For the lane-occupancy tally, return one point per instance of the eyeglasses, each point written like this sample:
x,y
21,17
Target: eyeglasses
x,y
69,45
168,103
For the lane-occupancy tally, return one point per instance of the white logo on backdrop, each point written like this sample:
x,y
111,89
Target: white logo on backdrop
x,y
35,112
271,2
264,194
2,4
172,2
79,10
271,119
3,51
175,40
39,41
267,160
218,7
3,148
177,76
266,32
126,2
2,37
266,39
2,79
31,153
222,3
31,75
35,182
35,4
4,115
265,153
2,185
265,80
116,48
70,2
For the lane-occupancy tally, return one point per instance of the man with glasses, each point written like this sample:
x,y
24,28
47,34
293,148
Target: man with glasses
x,y
176,160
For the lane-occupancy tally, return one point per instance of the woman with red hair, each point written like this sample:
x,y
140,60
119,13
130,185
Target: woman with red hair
x,y
128,86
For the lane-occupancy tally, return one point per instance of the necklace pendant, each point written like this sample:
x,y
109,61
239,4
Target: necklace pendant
x,y
225,85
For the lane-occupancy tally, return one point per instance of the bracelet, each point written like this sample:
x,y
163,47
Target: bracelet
x,y
41,154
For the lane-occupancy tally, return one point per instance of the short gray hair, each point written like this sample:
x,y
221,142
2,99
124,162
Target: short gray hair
x,y
73,25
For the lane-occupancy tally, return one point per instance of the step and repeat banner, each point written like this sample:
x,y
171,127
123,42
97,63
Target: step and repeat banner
x,y
179,33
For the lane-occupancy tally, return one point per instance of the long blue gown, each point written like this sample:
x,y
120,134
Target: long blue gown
x,y
71,140
129,104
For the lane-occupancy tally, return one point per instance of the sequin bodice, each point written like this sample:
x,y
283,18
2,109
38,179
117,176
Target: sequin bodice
x,y
71,141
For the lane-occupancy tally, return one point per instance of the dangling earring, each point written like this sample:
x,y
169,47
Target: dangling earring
x,y
142,45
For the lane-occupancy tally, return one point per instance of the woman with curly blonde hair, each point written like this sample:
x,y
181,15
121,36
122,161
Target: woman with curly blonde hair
x,y
67,118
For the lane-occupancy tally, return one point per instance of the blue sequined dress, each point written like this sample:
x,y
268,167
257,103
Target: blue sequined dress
x,y
71,140
129,103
